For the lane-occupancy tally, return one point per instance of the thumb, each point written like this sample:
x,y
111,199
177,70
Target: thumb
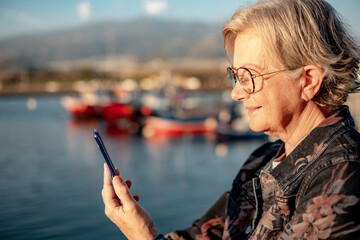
x,y
122,191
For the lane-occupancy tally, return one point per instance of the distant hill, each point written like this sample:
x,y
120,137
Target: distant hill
x,y
143,38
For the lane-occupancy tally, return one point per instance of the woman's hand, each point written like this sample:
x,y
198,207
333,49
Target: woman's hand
x,y
123,209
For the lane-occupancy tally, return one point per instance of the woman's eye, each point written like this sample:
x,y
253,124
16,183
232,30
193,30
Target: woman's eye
x,y
243,80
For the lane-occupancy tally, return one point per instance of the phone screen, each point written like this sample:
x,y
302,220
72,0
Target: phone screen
x,y
105,154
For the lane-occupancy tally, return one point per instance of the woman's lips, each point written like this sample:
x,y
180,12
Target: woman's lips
x,y
252,110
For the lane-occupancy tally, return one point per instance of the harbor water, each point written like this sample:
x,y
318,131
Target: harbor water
x,y
51,173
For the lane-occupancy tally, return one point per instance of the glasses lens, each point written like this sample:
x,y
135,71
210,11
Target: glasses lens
x,y
231,77
246,81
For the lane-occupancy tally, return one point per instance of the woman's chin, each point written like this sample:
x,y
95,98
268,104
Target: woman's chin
x,y
256,127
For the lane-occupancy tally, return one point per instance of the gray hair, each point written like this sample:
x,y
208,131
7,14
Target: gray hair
x,y
302,32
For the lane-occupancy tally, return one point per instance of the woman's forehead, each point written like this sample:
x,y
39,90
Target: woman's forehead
x,y
250,50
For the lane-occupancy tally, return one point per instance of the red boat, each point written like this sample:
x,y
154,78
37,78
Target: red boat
x,y
167,127
121,118
80,108
115,111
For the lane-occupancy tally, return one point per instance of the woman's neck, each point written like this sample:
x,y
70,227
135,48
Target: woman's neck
x,y
309,118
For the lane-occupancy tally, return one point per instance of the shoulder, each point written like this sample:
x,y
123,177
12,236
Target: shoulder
x,y
345,145
338,163
343,152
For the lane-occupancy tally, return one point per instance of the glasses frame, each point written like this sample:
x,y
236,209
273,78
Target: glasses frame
x,y
236,77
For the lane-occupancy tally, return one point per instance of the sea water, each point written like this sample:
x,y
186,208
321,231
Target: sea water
x,y
51,173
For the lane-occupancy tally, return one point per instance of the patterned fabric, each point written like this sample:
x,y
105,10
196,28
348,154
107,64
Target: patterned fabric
x,y
311,194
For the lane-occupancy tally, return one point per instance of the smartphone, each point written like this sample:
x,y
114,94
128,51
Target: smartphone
x,y
105,154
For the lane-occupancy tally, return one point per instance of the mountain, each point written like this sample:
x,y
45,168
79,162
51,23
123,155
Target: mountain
x,y
142,38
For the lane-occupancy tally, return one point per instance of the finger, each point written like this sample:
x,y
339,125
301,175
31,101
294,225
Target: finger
x,y
122,191
118,171
128,183
110,199
107,174
108,193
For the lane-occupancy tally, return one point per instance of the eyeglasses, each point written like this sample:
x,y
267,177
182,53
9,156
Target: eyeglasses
x,y
246,79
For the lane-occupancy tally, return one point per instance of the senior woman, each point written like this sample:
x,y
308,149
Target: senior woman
x,y
293,66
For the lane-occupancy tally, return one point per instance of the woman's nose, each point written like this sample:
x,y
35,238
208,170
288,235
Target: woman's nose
x,y
238,93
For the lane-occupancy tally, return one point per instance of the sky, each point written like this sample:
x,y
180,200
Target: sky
x,y
29,16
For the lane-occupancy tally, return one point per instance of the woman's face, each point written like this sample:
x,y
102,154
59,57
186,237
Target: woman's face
x,y
275,107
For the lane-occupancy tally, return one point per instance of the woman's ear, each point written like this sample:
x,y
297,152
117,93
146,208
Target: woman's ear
x,y
311,80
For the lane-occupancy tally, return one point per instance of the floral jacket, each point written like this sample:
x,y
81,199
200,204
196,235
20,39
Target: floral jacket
x,y
313,193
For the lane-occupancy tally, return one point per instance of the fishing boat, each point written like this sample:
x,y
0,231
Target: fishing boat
x,y
174,126
183,113
121,118
85,106
115,107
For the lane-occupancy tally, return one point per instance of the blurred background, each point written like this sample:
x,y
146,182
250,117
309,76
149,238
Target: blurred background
x,y
150,75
